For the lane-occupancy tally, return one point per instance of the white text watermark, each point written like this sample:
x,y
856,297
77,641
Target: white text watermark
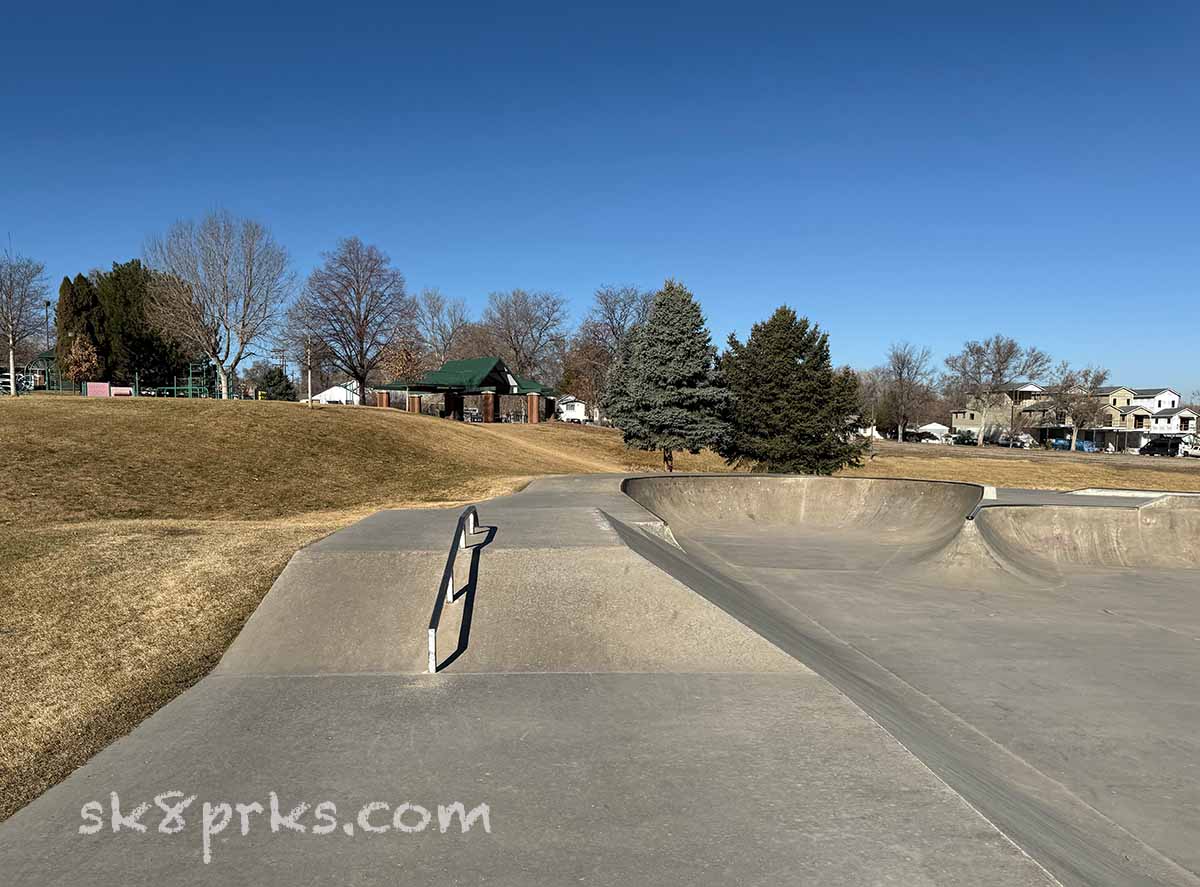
x,y
173,811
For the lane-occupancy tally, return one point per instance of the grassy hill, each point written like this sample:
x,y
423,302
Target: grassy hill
x,y
137,536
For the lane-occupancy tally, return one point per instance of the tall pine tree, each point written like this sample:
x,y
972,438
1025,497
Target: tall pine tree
x,y
79,314
792,411
134,349
666,395
618,401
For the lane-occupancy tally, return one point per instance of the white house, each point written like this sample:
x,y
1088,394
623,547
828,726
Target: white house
x,y
937,429
572,409
1175,422
339,394
1157,399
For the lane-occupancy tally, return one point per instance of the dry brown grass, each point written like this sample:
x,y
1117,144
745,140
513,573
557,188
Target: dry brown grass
x,y
136,537
1032,469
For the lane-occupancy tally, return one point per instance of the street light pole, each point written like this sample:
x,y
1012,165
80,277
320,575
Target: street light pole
x,y
308,367
47,332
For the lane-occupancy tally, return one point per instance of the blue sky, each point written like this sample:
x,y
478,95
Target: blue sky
x,y
922,172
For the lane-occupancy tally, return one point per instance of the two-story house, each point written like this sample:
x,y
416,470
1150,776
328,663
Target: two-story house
x,y
1133,416
1001,415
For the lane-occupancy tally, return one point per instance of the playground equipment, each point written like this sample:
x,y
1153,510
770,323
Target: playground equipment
x,y
25,382
202,381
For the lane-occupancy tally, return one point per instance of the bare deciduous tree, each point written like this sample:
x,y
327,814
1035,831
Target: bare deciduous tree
x,y
474,340
615,311
1074,397
985,371
909,380
440,323
872,391
22,293
220,287
355,304
585,367
529,328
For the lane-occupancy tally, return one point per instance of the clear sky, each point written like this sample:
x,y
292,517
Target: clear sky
x,y
896,171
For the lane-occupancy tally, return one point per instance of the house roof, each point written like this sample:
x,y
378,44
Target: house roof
x,y
1150,392
1125,411
1166,414
472,376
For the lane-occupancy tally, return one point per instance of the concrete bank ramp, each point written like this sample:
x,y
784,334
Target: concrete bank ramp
x,y
1162,534
841,523
867,525
562,594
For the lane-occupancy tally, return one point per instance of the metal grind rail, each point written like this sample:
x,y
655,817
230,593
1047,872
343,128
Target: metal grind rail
x,y
448,590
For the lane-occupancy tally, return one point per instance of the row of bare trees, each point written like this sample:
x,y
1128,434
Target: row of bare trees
x,y
908,387
225,287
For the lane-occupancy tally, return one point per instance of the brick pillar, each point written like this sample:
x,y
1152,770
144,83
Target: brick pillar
x,y
488,406
381,399
414,403
533,407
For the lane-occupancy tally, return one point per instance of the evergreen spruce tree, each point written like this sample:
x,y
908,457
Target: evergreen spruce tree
x,y
668,398
792,411
277,386
79,314
618,401
133,347
110,310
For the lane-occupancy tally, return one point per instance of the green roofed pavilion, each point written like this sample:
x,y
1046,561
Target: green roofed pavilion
x,y
487,377
477,375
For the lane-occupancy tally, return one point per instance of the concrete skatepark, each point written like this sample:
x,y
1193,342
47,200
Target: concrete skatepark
x,y
692,679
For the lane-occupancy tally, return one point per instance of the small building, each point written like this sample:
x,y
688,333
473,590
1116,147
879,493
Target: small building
x,y
489,378
937,429
572,409
346,393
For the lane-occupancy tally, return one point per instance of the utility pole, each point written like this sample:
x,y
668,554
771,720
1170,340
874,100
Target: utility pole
x,y
47,339
308,367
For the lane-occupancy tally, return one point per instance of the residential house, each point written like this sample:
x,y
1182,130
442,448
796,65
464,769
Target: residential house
x,y
1133,416
1000,416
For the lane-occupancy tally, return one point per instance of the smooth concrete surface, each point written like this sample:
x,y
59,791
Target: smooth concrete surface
x,y
596,779
1043,661
622,729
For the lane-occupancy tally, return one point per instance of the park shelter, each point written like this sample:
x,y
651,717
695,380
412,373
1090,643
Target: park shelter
x,y
488,377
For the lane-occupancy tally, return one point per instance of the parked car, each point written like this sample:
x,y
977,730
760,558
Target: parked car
x,y
1161,446
1060,443
1190,446
966,438
1020,440
1086,446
